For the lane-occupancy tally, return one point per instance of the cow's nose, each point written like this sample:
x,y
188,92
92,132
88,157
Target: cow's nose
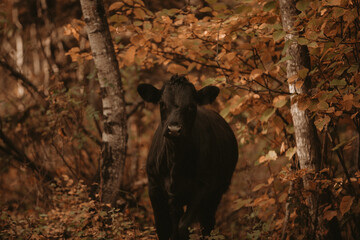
x,y
174,130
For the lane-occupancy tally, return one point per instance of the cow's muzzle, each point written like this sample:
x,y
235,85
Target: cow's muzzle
x,y
173,130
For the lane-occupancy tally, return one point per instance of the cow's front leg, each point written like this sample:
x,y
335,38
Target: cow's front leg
x,y
193,208
159,202
176,212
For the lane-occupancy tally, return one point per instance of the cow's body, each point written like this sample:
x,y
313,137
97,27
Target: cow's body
x,y
189,167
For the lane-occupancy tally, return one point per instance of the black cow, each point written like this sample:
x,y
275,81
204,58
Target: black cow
x,y
191,159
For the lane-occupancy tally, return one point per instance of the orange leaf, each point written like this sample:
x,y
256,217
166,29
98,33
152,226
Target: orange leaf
x,y
299,84
130,55
279,101
258,187
175,68
116,5
292,78
256,73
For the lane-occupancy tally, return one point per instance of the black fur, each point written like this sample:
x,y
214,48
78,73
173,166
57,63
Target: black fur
x,y
192,165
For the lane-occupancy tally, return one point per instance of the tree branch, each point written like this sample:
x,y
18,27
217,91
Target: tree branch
x,y
24,80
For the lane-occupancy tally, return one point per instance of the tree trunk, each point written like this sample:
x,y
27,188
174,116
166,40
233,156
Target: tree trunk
x,y
114,135
307,143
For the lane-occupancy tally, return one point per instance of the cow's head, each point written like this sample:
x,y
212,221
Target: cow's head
x,y
178,103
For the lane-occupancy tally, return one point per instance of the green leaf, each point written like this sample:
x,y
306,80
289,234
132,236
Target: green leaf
x,y
353,68
322,106
241,203
211,1
269,6
147,25
258,187
138,23
290,152
338,12
313,45
225,112
139,13
219,6
303,41
321,122
280,101
302,5
343,143
118,18
242,8
278,35
303,73
267,114
338,82
284,59
205,9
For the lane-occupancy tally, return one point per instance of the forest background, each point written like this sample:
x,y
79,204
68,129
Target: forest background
x,y
51,115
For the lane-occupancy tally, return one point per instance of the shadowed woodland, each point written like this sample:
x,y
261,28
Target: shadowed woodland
x,y
289,87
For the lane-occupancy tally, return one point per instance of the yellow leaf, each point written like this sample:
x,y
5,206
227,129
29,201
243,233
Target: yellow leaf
x,y
271,155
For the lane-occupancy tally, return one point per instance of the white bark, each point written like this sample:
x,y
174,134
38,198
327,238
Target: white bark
x,y
114,113
307,145
308,151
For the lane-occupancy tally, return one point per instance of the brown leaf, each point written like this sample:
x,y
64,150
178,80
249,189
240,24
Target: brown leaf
x,y
139,13
328,215
345,204
258,187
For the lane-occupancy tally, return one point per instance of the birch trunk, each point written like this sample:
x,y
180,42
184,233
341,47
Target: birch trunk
x,y
114,136
307,143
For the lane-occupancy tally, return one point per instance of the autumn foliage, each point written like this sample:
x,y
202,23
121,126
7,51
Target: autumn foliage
x,y
239,46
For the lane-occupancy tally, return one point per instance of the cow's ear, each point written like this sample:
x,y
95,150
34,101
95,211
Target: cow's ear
x,y
149,93
207,95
